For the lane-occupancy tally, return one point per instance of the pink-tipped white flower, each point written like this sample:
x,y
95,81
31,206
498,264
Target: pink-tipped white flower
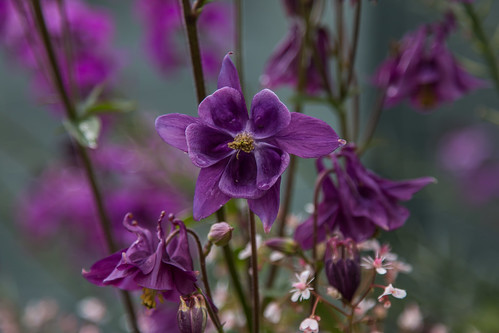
x,y
395,292
301,289
309,325
377,263
273,312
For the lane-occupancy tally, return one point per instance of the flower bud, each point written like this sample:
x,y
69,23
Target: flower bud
x,y
220,233
285,245
342,262
192,314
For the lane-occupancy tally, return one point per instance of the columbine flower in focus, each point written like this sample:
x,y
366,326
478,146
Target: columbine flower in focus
x,y
423,70
359,202
395,292
160,270
164,31
243,156
301,289
309,325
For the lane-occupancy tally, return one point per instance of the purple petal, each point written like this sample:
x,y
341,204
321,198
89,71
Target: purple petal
x,y
403,190
271,163
308,137
225,109
171,128
207,145
267,207
102,268
208,197
228,75
268,115
239,177
327,213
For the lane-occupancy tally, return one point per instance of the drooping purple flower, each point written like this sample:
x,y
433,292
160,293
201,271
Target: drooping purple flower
x,y
342,266
243,156
164,33
282,68
423,70
359,202
149,263
92,61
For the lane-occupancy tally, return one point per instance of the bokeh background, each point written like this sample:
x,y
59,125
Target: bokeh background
x,y
450,238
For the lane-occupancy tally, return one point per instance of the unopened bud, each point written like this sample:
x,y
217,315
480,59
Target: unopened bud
x,y
285,245
192,314
220,233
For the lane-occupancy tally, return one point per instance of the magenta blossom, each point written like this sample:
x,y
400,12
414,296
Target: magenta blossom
x,y
163,23
359,202
423,70
241,156
149,263
282,68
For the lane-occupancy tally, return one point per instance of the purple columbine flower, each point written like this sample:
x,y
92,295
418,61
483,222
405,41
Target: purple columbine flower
x,y
243,156
342,266
282,68
359,202
423,70
160,269
163,23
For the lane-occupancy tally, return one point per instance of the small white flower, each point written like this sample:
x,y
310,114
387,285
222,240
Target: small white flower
x,y
411,319
364,306
395,292
246,253
273,312
377,263
276,256
301,290
92,309
309,325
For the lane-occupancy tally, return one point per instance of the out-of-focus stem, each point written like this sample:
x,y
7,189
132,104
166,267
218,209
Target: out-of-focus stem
x,y
239,40
355,42
254,274
202,264
190,20
340,30
71,113
484,43
373,122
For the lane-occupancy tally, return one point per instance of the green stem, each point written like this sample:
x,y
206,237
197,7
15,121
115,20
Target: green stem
x,y
190,20
483,43
373,122
71,114
254,274
239,40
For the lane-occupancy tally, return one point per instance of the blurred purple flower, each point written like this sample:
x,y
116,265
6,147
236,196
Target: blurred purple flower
x,y
149,263
160,319
282,68
359,202
423,70
241,156
163,23
61,200
92,60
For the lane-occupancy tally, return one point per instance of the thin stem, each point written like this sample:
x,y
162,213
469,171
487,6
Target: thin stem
x,y
353,50
68,50
71,113
373,122
484,43
204,274
355,111
190,20
340,31
254,274
239,40
322,299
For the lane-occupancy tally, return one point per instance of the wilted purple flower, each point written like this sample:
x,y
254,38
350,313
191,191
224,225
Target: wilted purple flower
x,y
423,70
342,265
164,32
92,60
149,263
282,68
359,202
241,156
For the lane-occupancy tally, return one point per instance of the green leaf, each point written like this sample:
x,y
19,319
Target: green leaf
x,y
85,131
113,106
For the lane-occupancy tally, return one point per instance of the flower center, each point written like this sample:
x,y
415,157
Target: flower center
x,y
243,141
427,96
148,297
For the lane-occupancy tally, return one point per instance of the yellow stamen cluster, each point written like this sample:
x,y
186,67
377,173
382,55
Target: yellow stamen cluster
x,y
243,141
148,297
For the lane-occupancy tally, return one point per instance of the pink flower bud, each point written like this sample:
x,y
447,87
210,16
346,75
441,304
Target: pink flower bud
x,y
220,233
